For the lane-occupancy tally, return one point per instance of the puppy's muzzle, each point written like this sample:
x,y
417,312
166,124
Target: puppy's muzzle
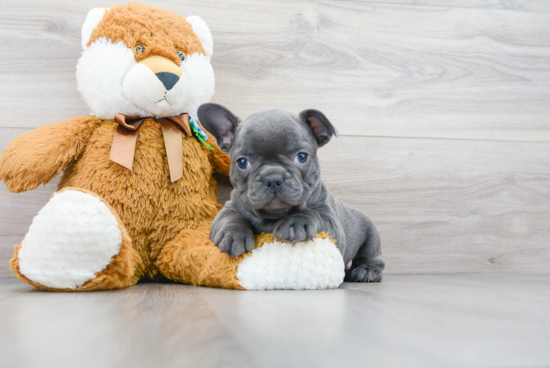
x,y
273,179
273,182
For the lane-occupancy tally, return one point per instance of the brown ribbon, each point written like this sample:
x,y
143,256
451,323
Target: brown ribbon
x,y
124,141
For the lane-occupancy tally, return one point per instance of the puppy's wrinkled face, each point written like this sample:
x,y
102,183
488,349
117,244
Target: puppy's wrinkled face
x,y
273,153
274,162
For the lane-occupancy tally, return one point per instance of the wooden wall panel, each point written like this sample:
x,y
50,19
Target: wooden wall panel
x,y
384,69
440,205
521,5
448,205
442,110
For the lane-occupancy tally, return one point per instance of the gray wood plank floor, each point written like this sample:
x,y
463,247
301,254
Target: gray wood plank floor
x,y
405,321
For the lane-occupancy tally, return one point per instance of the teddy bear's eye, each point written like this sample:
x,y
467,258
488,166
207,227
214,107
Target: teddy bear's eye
x,y
140,48
181,55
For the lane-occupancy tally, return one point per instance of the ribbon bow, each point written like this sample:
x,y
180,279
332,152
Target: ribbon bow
x,y
124,141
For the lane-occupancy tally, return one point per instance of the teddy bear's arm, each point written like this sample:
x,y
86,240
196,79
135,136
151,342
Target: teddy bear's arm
x,y
219,160
36,157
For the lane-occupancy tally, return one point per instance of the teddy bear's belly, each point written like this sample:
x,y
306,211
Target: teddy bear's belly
x,y
153,209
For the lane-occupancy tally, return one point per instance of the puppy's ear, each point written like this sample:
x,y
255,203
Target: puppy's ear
x,y
220,122
320,126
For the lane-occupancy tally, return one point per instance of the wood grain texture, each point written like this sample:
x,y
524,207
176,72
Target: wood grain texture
x,y
448,205
385,69
443,111
521,5
441,206
404,71
405,321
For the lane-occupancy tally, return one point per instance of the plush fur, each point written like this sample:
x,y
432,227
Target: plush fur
x,y
152,210
36,157
111,78
123,270
315,264
86,235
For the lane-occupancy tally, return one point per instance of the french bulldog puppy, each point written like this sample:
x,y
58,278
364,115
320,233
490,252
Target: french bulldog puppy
x,y
276,176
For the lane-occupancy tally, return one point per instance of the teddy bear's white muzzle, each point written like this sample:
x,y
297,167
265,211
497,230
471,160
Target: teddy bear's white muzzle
x,y
162,93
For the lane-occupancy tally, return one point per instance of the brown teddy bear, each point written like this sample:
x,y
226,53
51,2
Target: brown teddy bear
x,y
137,194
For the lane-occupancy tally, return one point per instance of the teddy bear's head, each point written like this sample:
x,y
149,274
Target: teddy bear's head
x,y
145,61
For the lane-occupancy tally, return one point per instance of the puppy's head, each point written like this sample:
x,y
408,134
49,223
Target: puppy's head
x,y
273,153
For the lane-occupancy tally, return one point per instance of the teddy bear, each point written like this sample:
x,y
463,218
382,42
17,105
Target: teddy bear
x,y
137,193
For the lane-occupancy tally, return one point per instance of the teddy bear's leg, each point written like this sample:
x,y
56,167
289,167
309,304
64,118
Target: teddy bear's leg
x,y
77,242
192,258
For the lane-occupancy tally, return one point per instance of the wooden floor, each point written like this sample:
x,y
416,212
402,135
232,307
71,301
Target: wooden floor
x,y
406,321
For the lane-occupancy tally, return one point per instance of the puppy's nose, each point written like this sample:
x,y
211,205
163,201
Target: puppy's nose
x,y
168,79
273,182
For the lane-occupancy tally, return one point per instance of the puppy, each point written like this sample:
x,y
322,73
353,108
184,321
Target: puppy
x,y
278,189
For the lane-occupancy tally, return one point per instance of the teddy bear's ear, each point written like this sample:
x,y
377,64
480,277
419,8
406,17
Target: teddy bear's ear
x,y
320,126
92,20
203,32
220,122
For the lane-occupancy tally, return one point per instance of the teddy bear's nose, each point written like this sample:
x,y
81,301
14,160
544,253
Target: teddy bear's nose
x,y
168,79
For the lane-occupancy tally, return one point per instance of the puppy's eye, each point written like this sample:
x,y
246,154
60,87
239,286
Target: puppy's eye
x,y
181,55
242,163
302,157
140,48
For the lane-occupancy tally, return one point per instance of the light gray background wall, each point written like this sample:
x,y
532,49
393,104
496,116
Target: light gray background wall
x,y
443,111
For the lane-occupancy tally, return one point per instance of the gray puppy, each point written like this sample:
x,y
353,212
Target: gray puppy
x,y
278,189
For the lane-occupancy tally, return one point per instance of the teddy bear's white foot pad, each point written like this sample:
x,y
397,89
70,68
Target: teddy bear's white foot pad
x,y
315,264
74,236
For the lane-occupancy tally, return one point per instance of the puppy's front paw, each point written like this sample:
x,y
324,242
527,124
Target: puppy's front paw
x,y
364,273
295,228
235,240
